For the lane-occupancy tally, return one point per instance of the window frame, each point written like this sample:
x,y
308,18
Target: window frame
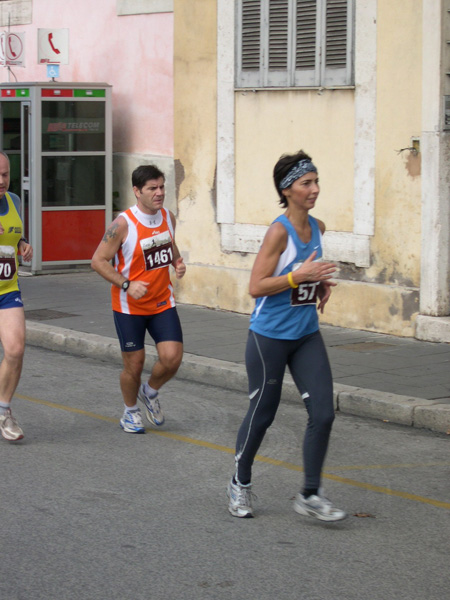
x,y
260,48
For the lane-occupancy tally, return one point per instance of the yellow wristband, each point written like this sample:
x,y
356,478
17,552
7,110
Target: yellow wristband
x,y
291,281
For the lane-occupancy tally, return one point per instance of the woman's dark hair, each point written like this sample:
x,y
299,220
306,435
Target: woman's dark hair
x,y
282,168
142,174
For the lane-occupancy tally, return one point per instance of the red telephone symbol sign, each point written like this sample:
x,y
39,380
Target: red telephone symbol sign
x,y
50,41
14,46
53,46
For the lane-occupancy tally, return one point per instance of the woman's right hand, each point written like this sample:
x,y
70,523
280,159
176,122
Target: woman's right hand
x,y
313,270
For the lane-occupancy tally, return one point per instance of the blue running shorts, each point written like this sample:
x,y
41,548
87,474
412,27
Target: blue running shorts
x,y
11,300
131,329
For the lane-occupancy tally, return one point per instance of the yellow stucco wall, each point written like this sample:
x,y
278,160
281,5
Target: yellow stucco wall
x,y
371,307
383,297
195,124
386,298
396,245
272,123
213,279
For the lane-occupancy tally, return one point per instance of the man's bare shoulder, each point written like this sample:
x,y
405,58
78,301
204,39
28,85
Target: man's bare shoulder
x,y
117,229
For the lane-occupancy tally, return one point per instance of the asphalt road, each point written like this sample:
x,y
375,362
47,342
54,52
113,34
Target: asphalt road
x,y
91,513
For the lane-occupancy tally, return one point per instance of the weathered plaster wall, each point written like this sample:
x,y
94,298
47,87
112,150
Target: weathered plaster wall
x,y
380,294
396,245
385,296
269,124
214,279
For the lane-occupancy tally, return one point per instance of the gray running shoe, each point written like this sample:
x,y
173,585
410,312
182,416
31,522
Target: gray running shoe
x,y
318,507
240,496
9,427
131,422
152,407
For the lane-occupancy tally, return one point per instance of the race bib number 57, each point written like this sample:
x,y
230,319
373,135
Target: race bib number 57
x,y
306,293
7,263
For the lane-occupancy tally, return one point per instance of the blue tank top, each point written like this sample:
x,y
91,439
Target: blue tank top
x,y
291,314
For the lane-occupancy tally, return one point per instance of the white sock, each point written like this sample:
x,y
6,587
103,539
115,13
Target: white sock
x,y
3,408
132,408
149,391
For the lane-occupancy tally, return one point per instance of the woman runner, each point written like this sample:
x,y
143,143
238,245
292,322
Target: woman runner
x,y
287,280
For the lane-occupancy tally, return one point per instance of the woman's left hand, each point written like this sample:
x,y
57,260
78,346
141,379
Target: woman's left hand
x,y
324,293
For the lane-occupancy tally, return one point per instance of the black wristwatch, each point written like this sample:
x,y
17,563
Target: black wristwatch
x,y
125,285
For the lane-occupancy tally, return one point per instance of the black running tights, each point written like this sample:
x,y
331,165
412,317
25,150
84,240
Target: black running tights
x,y
266,360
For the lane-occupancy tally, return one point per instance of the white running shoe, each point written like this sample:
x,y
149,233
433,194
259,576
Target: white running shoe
x,y
9,427
318,507
131,422
240,496
152,407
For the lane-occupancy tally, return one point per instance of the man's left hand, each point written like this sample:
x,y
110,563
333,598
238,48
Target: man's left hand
x,y
180,268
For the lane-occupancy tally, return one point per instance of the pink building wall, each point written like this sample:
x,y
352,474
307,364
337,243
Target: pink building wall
x,y
133,53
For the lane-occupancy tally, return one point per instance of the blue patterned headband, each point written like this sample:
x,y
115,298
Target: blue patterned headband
x,y
301,168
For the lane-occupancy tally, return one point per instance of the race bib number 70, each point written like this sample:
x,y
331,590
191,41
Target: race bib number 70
x,y
7,263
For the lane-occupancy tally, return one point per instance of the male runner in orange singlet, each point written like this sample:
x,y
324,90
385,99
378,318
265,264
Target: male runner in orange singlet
x,y
141,241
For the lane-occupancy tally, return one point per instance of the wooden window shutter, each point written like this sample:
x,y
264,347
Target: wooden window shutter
x,y
277,73
306,43
249,49
285,43
336,62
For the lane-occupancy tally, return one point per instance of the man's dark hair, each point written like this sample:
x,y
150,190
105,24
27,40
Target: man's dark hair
x,y
282,168
142,174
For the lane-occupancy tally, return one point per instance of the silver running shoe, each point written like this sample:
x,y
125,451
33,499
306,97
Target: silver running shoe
x,y
152,407
131,422
9,427
318,507
241,497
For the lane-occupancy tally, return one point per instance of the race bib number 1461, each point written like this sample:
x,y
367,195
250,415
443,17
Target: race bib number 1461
x,y
158,251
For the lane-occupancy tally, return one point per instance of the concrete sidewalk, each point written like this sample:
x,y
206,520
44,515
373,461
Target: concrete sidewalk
x,y
399,380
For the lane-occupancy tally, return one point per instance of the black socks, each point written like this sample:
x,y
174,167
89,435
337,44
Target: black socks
x,y
307,492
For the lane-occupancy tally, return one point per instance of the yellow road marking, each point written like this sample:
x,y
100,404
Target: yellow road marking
x,y
265,459
440,463
77,411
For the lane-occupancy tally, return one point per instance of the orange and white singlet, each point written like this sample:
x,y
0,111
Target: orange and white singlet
x,y
145,255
